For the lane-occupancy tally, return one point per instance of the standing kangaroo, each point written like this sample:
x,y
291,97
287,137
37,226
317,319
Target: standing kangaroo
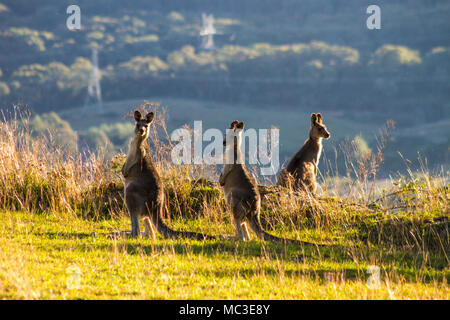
x,y
302,168
241,191
144,190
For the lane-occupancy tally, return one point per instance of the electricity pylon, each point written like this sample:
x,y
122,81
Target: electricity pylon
x,y
207,32
94,91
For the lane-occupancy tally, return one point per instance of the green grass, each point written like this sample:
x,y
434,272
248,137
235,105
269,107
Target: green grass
x,y
57,209
37,252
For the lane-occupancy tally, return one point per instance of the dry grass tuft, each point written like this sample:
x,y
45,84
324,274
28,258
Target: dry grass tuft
x,y
37,176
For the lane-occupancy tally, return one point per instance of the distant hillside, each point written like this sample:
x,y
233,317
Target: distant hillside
x,y
431,140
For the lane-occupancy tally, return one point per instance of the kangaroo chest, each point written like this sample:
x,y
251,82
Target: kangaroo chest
x,y
237,180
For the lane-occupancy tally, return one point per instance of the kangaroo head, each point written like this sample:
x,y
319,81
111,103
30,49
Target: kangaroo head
x,y
318,129
236,129
141,130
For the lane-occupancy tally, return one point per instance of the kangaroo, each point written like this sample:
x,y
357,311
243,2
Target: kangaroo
x,y
144,190
302,168
241,191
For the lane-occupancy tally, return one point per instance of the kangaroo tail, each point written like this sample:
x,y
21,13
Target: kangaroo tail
x,y
269,189
168,232
255,224
283,178
174,234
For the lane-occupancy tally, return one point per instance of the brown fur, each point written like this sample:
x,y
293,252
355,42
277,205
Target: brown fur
x,y
241,192
144,190
302,169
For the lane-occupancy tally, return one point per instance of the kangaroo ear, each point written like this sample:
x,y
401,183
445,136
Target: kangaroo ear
x,y
313,118
319,118
234,124
137,115
240,125
149,118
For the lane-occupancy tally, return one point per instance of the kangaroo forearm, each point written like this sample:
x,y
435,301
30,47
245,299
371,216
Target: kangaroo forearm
x,y
222,179
127,168
223,175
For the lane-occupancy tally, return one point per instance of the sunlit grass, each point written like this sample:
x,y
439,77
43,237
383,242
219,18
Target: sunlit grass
x,y
57,210
37,252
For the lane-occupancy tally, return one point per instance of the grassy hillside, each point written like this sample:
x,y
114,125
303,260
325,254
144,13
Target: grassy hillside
x,y
382,208
41,255
58,210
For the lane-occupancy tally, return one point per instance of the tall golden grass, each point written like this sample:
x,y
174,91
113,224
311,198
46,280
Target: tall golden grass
x,y
38,176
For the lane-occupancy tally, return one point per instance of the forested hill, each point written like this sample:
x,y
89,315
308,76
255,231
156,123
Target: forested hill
x,y
290,44
308,54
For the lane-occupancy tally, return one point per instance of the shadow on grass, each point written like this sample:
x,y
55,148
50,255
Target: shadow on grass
x,y
66,235
408,265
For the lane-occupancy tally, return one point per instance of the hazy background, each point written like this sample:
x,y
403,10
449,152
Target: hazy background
x,y
273,63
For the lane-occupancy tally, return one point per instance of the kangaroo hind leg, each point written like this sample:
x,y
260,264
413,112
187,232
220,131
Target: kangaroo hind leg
x,y
149,228
132,203
245,231
239,233
238,215
135,229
